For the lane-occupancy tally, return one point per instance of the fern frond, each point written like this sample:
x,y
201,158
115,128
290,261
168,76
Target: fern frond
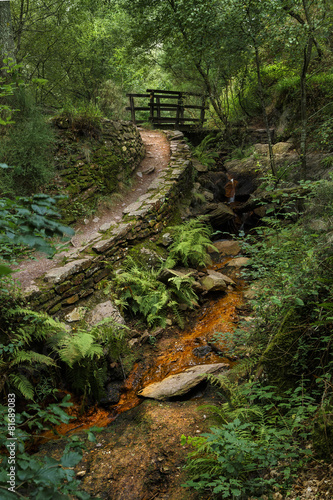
x,y
74,348
22,384
32,357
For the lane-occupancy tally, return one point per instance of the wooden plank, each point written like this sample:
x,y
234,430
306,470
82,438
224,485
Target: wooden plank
x,y
139,108
137,95
174,92
174,120
164,91
132,109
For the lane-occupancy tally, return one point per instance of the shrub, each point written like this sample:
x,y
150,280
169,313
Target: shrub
x,y
27,147
261,430
39,477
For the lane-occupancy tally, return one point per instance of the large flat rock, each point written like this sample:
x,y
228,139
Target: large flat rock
x,y
181,383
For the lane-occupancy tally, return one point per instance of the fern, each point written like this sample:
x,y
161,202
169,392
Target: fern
x,y
21,384
191,242
32,357
75,347
139,290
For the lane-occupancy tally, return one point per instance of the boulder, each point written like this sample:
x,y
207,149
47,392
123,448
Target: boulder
x,y
238,262
215,281
112,393
202,351
227,247
105,310
181,383
219,213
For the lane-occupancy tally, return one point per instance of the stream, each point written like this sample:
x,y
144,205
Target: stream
x,y
173,355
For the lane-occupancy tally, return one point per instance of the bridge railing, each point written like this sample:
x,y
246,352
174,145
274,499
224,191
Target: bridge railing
x,y
172,102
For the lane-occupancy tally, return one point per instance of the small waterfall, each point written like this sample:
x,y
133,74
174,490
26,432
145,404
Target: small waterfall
x,y
230,190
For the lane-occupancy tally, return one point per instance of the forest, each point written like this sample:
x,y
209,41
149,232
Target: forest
x,y
258,175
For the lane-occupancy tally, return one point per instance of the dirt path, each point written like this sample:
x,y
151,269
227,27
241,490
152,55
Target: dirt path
x,y
157,158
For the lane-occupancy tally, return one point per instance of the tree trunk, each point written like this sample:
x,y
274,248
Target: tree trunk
x,y
7,46
306,62
262,102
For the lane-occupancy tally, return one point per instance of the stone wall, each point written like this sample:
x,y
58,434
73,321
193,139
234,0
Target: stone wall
x,y
94,163
65,287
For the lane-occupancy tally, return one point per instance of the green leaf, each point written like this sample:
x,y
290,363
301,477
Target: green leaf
x,y
70,459
4,270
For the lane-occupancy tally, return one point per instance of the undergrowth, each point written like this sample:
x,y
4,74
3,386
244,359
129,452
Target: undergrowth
x,y
279,413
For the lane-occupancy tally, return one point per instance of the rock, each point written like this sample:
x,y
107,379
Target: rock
x,y
76,315
181,383
105,310
209,196
219,213
262,149
217,275
166,239
238,262
215,282
151,257
202,351
281,148
59,274
112,393
198,166
148,170
228,247
319,225
105,227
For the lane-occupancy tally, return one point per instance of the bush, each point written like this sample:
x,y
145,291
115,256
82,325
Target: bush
x,y
261,431
38,477
27,147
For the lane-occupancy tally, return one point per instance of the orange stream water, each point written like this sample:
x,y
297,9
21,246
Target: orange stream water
x,y
219,315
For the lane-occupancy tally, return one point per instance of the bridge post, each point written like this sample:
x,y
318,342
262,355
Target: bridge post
x,y
151,107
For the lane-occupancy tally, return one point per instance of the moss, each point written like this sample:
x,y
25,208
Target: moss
x,y
280,352
322,436
142,258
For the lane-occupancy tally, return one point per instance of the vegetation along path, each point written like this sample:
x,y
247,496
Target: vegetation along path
x,y
156,159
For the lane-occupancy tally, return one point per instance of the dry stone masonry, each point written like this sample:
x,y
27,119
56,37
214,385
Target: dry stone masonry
x,y
63,288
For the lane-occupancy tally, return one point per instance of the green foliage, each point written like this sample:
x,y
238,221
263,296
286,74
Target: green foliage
x,y
8,84
191,242
27,147
205,153
261,430
33,341
29,222
39,477
139,289
85,352
83,119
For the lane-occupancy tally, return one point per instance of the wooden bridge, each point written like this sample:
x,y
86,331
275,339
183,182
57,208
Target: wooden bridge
x,y
159,103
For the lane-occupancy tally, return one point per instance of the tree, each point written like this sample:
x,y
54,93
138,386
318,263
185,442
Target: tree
x,y
7,47
311,27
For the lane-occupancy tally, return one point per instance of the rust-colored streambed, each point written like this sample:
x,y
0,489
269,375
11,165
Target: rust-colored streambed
x,y
176,354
